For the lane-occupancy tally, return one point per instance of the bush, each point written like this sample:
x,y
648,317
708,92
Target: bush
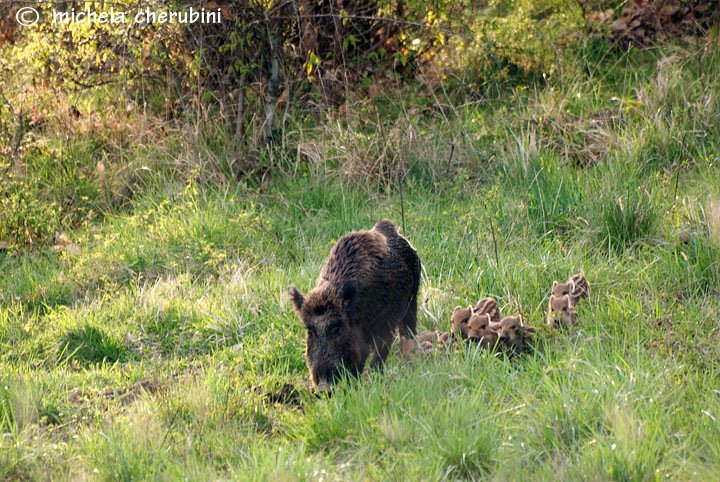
x,y
25,215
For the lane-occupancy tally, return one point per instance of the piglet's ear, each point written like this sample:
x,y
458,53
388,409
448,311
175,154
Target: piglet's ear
x,y
555,283
297,299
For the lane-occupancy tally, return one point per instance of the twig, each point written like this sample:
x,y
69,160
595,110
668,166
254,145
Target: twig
x,y
492,232
240,122
277,239
501,412
176,81
288,98
680,165
452,150
402,204
18,132
17,136
272,85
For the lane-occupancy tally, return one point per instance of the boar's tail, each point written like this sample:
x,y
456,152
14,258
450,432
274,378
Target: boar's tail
x,y
386,227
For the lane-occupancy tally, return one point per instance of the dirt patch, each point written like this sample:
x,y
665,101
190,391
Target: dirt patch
x,y
129,394
288,394
124,395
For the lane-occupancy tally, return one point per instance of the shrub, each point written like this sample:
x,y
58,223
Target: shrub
x,y
25,216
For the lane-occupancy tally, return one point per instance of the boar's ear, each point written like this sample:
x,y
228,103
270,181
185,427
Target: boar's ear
x,y
555,283
297,299
348,294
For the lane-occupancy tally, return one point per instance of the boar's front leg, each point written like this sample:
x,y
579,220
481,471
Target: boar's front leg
x,y
381,348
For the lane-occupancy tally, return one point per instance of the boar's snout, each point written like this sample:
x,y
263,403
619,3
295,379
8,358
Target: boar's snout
x,y
324,377
323,387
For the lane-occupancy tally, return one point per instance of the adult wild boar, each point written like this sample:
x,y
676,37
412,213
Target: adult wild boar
x,y
367,288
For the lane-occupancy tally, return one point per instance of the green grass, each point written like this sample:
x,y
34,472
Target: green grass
x,y
165,347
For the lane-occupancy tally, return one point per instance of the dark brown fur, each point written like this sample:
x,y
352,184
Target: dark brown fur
x,y
367,289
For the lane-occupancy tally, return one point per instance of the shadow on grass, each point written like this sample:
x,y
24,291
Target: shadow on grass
x,y
90,344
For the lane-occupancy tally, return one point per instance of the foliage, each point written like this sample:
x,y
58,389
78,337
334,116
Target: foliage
x,y
25,215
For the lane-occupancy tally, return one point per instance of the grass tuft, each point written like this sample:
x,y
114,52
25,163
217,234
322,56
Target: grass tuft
x,y
621,210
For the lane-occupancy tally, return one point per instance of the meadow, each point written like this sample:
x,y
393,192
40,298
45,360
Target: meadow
x,y
153,337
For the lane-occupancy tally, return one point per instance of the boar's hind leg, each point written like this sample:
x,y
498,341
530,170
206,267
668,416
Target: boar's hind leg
x,y
408,325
